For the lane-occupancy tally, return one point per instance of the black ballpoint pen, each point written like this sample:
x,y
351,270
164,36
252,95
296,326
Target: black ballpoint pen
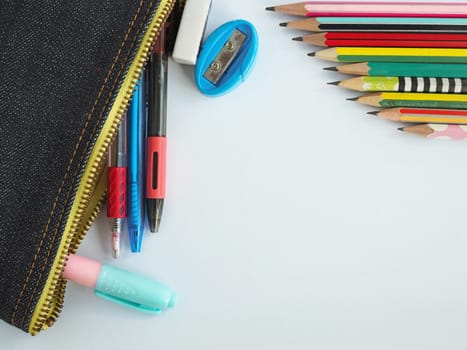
x,y
157,128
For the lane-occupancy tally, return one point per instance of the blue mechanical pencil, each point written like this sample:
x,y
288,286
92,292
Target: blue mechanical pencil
x,y
136,136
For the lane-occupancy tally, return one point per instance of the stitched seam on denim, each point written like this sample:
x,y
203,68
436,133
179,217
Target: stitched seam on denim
x,y
69,165
116,80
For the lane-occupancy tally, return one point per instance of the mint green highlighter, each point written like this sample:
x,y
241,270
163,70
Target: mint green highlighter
x,y
135,291
120,286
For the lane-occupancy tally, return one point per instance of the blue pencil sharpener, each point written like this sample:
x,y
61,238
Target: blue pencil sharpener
x,y
226,58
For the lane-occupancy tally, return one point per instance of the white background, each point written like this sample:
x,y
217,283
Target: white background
x,y
292,221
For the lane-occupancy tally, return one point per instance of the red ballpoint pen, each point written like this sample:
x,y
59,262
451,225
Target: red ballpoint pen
x,y
157,128
116,186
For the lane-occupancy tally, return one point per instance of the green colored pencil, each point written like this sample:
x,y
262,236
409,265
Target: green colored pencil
x,y
439,70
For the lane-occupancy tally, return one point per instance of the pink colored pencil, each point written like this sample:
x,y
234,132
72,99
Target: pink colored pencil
x,y
373,9
438,131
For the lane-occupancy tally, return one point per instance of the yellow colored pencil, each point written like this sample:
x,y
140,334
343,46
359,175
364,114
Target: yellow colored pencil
x,y
392,54
413,99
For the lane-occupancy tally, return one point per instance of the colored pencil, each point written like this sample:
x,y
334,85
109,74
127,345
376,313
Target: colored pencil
x,y
379,24
423,115
405,84
394,36
413,99
352,39
392,54
403,69
438,131
373,9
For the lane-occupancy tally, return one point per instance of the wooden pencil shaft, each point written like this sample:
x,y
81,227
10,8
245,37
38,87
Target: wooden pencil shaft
x,y
423,130
309,24
318,39
362,68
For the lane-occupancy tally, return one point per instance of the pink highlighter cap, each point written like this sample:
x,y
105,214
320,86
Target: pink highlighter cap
x,y
82,270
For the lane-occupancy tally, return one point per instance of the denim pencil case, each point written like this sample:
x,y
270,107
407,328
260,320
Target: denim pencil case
x,y
67,72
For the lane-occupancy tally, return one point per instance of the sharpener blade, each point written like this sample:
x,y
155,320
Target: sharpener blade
x,y
225,57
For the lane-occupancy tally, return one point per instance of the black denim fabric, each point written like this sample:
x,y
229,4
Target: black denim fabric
x,y
61,63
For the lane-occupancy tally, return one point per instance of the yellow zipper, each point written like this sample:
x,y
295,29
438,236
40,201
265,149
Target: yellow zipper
x,y
91,190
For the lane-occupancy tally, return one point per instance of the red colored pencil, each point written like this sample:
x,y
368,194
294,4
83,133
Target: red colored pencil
x,y
366,40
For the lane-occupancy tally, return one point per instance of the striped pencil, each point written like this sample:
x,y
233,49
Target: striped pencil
x,y
438,131
373,9
403,69
405,84
423,115
413,99
392,54
367,39
379,24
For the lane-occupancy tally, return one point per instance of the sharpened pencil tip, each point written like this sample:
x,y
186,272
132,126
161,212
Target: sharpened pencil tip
x,y
270,8
298,38
373,113
334,83
312,54
352,99
283,24
332,69
400,129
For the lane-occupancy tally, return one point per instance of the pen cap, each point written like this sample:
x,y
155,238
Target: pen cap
x,y
134,290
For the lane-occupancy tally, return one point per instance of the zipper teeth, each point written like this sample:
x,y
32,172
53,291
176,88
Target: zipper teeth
x,y
59,298
87,225
53,301
55,296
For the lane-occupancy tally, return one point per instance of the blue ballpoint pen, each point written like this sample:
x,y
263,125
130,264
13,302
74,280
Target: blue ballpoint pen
x,y
136,135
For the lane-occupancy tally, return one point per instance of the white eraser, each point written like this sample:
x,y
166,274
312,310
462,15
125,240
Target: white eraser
x,y
191,31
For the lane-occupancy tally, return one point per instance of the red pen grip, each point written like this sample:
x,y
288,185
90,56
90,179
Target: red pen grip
x,y
156,161
116,192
